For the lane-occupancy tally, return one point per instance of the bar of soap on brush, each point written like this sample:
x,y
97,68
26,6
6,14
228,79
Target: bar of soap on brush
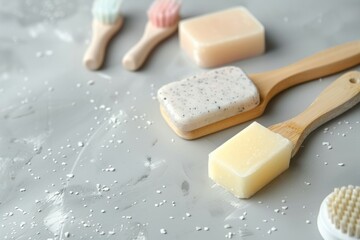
x,y
222,37
249,160
209,102
208,97
255,156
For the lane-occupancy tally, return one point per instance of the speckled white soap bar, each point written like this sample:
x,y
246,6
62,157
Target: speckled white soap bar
x,y
208,97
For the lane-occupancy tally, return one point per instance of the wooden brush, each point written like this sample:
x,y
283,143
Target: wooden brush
x,y
255,156
177,98
106,23
163,21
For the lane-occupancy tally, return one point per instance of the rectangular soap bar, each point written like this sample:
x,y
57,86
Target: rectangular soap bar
x,y
249,160
222,37
208,97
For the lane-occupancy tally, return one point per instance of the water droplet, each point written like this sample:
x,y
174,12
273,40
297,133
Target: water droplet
x,y
273,229
91,82
39,54
230,235
227,226
70,175
49,52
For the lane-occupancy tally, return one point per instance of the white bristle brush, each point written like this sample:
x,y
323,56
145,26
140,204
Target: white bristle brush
x,y
339,215
163,21
106,23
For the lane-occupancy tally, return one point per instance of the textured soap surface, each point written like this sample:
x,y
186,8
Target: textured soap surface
x,y
249,160
208,97
222,37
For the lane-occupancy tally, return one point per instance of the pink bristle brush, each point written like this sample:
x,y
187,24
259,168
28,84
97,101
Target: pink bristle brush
x,y
163,21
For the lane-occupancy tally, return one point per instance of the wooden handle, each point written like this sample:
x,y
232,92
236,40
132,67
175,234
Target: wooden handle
x,y
321,64
137,55
337,98
273,82
101,36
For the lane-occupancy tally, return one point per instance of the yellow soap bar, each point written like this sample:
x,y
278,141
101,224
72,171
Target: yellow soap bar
x,y
222,37
249,160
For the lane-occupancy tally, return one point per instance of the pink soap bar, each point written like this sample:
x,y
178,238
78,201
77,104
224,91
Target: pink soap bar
x,y
222,37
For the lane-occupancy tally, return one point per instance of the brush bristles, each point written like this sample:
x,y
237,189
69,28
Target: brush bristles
x,y
164,13
343,207
106,11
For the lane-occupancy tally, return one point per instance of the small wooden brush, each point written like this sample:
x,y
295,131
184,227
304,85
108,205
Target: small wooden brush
x,y
107,22
163,21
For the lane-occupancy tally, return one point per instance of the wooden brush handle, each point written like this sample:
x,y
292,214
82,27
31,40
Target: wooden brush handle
x,y
337,98
101,36
321,64
152,36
